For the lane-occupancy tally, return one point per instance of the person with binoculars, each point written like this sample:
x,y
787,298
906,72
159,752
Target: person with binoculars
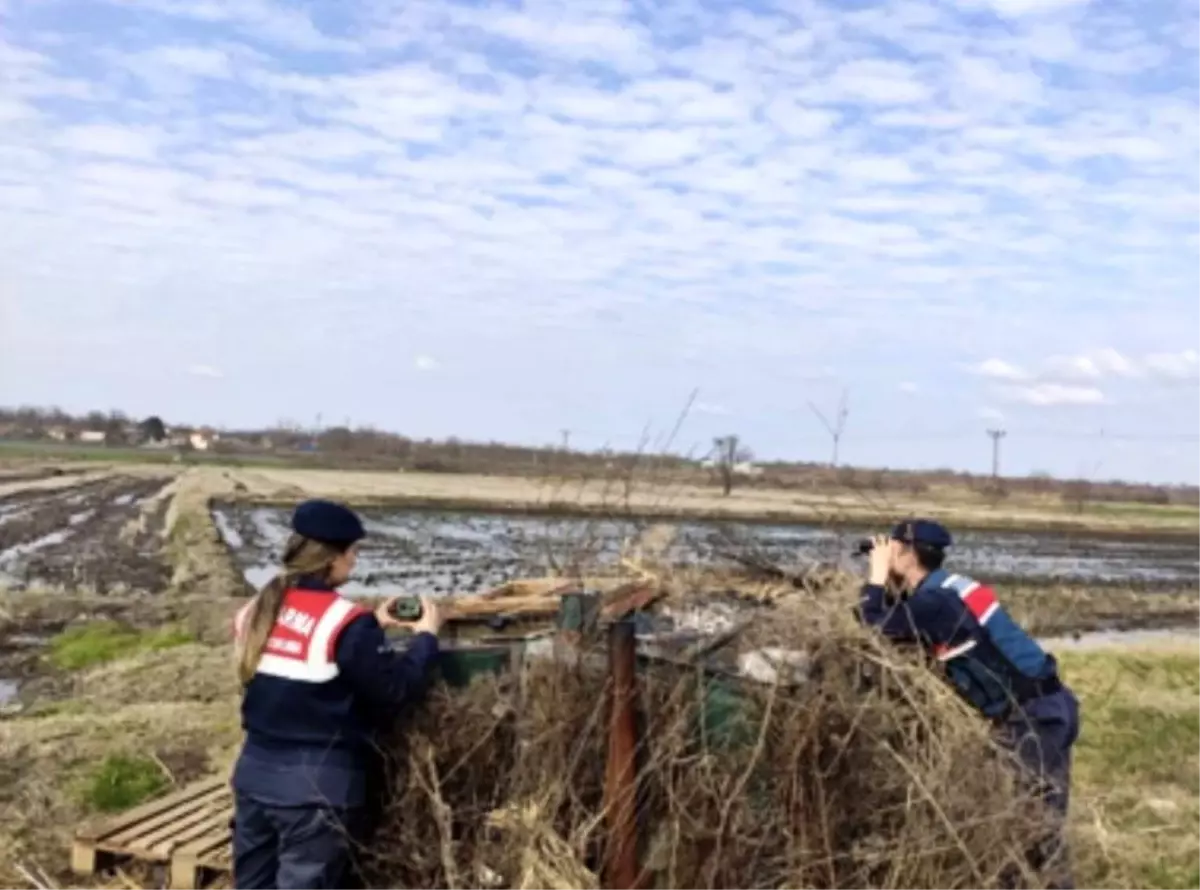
x,y
320,683
990,660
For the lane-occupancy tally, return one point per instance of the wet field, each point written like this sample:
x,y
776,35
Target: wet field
x,y
441,552
76,537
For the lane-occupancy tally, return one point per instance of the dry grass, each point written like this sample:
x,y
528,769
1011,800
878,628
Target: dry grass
x,y
1137,769
174,711
193,546
855,778
519,770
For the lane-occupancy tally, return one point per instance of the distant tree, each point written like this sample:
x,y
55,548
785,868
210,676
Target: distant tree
x,y
152,429
336,439
727,454
1076,494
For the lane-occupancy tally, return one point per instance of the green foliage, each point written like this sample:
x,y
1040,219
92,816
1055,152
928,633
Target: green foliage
x,y
103,641
121,781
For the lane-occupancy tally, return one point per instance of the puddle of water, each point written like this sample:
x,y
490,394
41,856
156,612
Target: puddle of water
x,y
8,691
21,550
229,534
429,552
1108,638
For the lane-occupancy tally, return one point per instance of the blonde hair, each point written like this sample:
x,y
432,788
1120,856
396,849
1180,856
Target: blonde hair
x,y
302,556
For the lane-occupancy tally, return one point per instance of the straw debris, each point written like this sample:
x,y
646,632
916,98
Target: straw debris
x,y
869,774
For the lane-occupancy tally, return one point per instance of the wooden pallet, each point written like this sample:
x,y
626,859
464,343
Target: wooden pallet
x,y
188,831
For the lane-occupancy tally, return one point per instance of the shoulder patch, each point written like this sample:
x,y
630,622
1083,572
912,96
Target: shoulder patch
x,y
979,599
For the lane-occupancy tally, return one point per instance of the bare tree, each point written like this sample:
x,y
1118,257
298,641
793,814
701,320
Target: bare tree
x,y
837,427
727,454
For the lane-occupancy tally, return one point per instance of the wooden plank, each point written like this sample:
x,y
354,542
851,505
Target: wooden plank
x,y
630,598
194,817
99,828
202,859
168,837
132,836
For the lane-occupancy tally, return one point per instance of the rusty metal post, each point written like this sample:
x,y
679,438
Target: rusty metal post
x,y
621,869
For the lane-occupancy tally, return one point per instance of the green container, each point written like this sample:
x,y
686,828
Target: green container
x,y
458,667
729,718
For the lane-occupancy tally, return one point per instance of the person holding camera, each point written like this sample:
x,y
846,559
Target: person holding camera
x,y
988,659
319,682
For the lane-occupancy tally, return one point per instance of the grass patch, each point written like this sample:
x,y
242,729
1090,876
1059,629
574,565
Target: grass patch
x,y
104,641
122,781
1137,768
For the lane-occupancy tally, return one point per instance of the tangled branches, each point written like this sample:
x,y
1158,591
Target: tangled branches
x,y
868,774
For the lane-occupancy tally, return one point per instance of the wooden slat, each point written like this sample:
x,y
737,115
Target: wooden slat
x,y
195,819
99,828
630,598
171,834
132,835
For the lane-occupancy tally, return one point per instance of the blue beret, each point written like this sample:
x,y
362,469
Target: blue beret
x,y
328,522
922,531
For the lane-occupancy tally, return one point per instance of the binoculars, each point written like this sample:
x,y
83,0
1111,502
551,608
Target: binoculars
x,y
865,546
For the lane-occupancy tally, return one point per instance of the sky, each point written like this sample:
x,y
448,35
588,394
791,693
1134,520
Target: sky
x,y
501,220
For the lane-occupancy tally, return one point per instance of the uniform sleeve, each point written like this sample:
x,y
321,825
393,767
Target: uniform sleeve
x,y
912,620
385,678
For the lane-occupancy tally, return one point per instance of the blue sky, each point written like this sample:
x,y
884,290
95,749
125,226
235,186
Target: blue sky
x,y
499,220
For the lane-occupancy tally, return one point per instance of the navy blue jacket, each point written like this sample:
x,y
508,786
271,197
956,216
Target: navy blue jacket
x,y
311,740
989,659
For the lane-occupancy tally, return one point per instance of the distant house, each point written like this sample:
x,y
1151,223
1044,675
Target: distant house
x,y
93,436
202,439
743,468
58,433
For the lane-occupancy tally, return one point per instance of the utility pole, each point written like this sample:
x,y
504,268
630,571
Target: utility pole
x,y
996,435
837,428
566,440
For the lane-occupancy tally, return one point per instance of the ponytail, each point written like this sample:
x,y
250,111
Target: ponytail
x,y
301,557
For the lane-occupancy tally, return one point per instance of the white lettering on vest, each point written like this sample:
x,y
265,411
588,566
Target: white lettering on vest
x,y
297,621
285,658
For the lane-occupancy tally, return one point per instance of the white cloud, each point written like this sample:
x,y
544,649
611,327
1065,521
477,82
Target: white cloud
x,y
1052,394
994,414
1110,363
425,363
1019,8
998,369
1175,366
205,371
908,387
686,194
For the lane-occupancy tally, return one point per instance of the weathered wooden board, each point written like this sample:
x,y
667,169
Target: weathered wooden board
x,y
187,830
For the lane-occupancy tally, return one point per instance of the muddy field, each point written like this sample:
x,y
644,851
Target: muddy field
x,y
104,534
77,537
432,552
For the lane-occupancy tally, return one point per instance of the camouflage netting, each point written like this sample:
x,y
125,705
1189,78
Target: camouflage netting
x,y
869,774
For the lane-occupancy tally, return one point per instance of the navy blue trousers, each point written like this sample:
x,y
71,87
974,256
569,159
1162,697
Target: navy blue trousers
x,y
293,847
1042,736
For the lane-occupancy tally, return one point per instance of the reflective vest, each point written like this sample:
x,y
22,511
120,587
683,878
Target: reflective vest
x,y
303,642
991,660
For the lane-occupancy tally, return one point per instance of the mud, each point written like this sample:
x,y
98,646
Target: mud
x,y
71,538
438,552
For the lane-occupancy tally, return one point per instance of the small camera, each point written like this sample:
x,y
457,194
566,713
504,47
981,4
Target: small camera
x,y
865,546
407,608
